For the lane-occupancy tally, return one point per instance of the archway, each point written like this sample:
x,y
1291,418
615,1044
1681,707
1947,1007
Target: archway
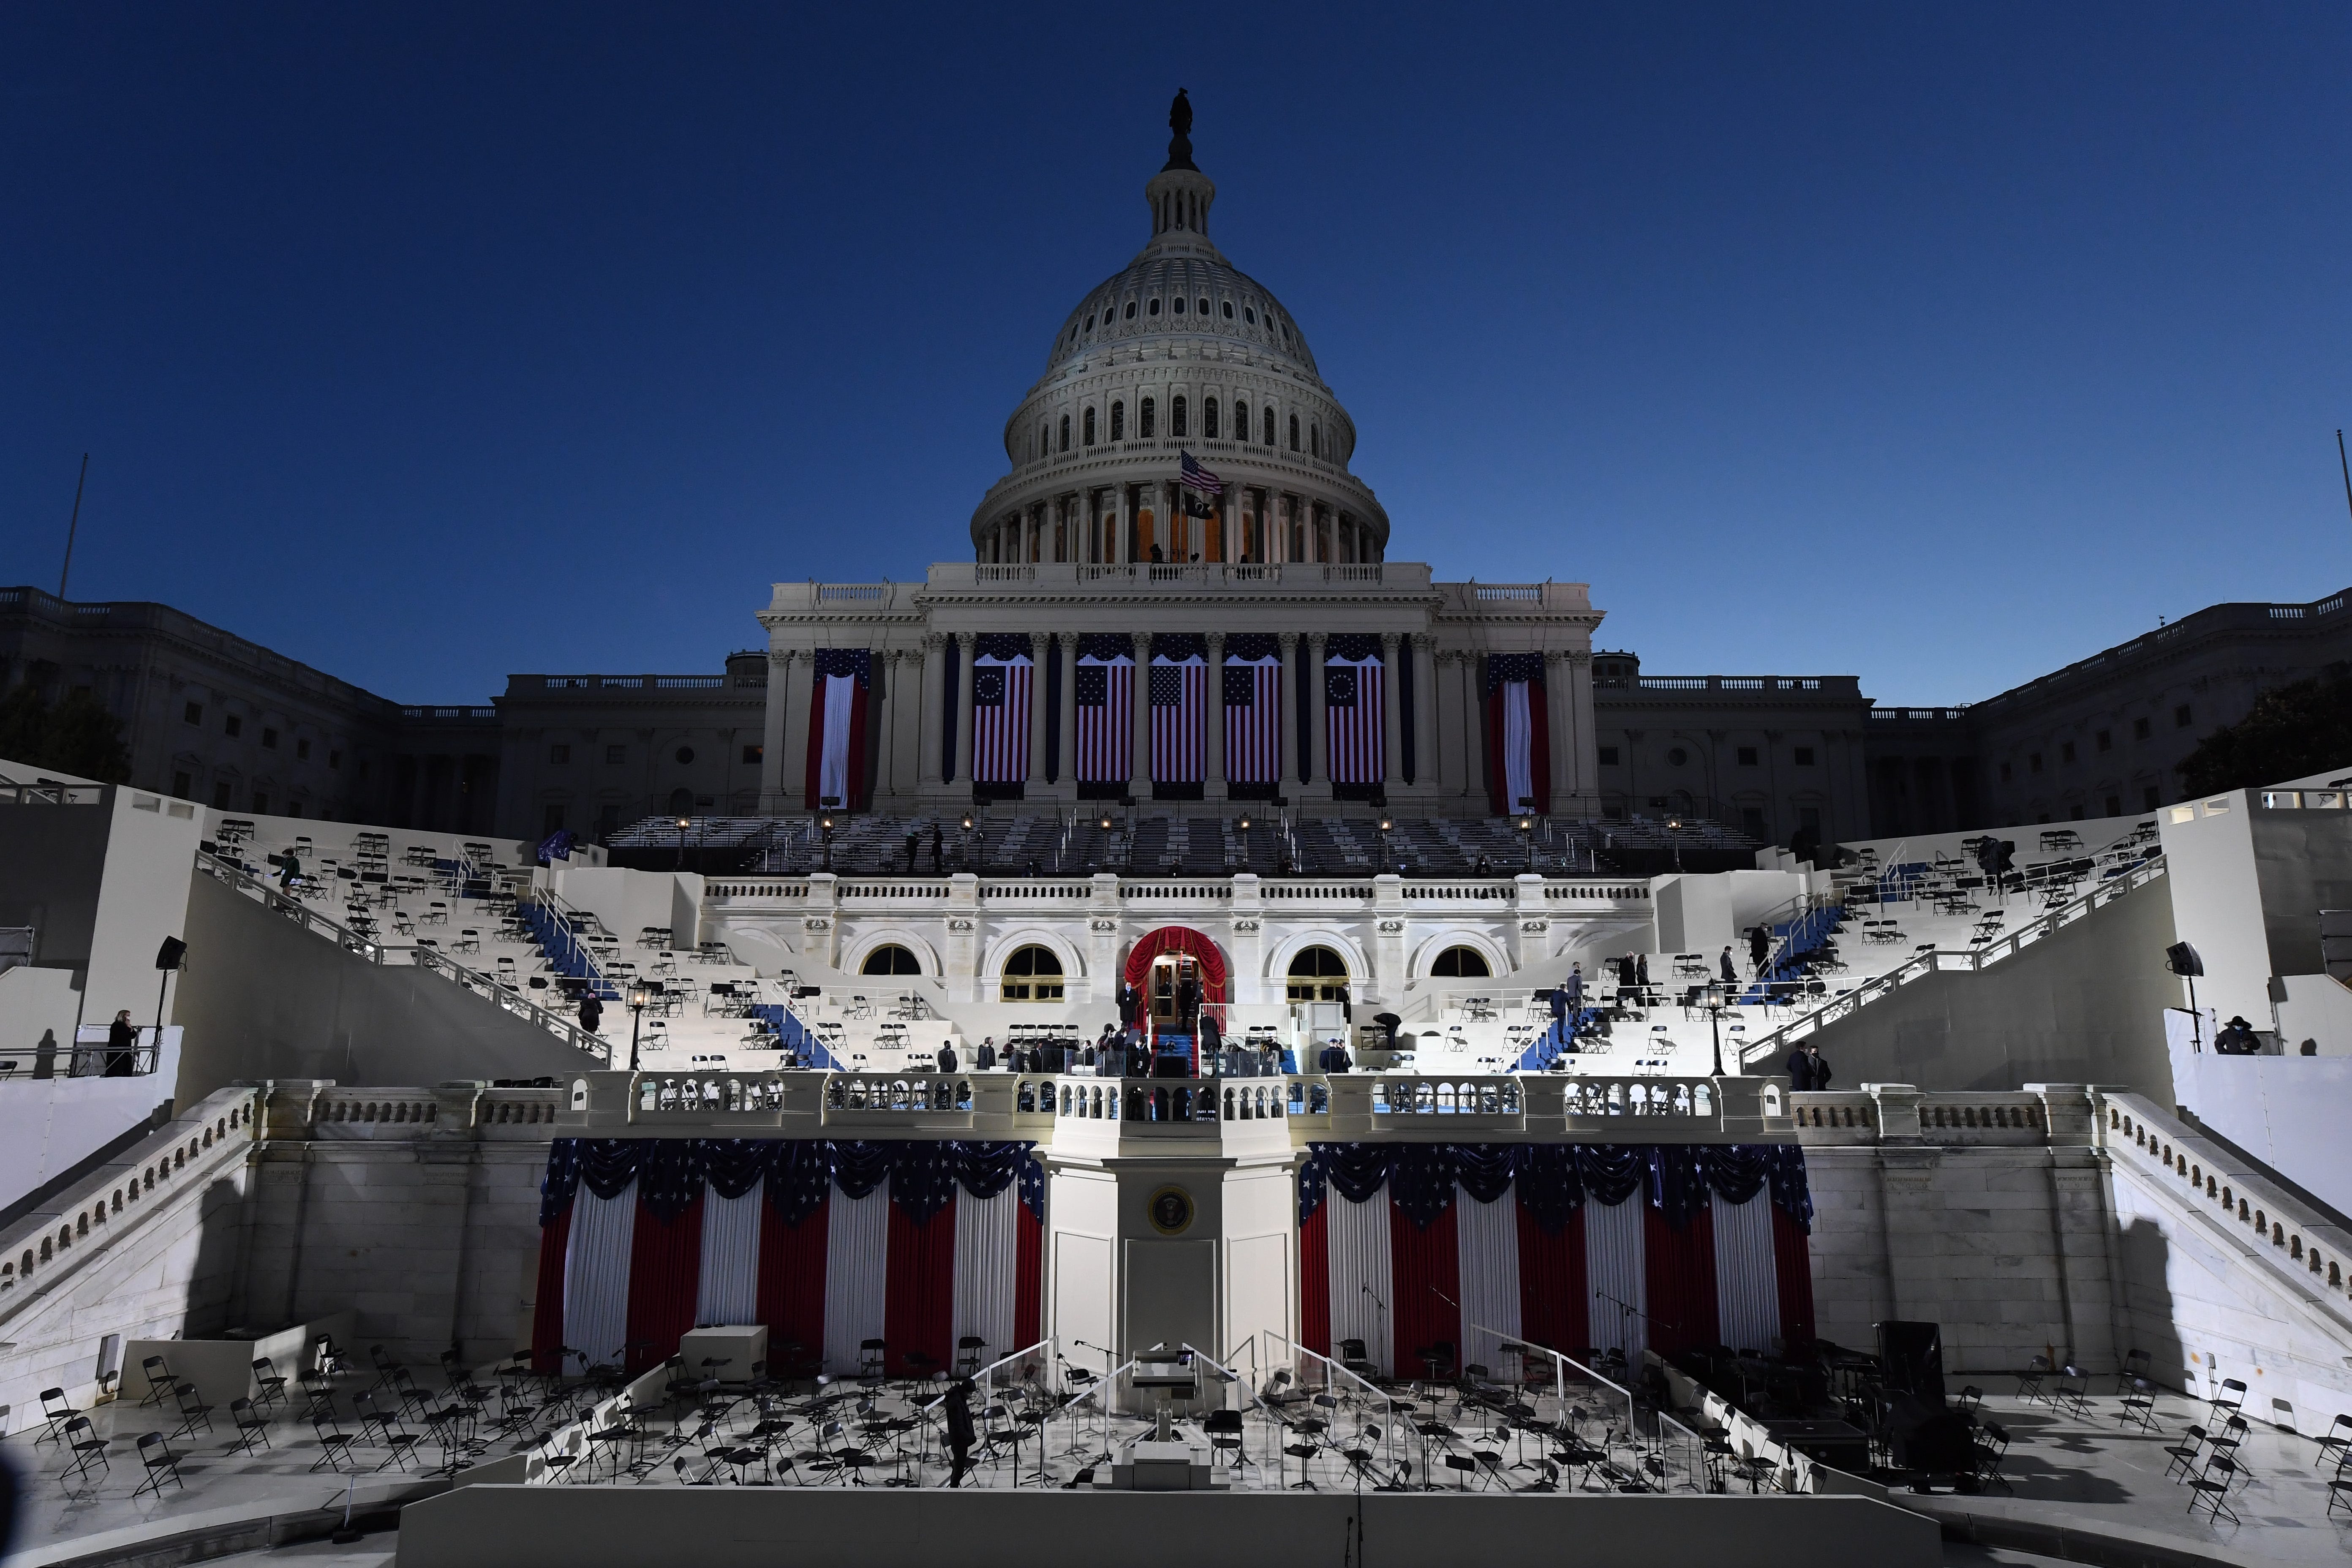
x,y
1154,967
1181,939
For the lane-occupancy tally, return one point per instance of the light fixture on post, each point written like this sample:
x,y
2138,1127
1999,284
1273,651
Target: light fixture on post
x,y
1388,825
1674,836
824,826
682,824
965,850
638,997
1715,1005
1527,825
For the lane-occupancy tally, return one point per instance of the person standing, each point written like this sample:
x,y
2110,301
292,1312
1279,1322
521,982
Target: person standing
x,y
1807,1071
984,1058
958,1419
1641,974
1188,1004
1759,948
914,842
591,1011
947,1056
121,1047
939,862
1730,976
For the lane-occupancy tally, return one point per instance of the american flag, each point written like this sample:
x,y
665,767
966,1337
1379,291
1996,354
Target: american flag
x,y
1106,704
1179,708
1355,735
1192,477
1001,672
1253,709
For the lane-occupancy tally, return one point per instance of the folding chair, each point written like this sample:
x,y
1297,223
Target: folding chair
x,y
155,1453
2186,1457
82,1441
250,1424
58,1413
2139,1406
335,1446
267,1379
2211,1490
161,1384
1992,1449
193,1410
2338,1438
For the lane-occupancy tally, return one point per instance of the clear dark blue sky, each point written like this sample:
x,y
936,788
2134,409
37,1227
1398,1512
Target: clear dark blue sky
x,y
427,344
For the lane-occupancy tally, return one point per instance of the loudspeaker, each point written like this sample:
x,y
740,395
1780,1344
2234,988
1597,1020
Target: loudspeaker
x,y
1911,1360
170,955
2181,959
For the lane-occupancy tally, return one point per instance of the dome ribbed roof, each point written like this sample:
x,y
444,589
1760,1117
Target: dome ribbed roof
x,y
1118,312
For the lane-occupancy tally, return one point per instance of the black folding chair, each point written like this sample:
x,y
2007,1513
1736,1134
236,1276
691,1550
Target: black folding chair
x,y
251,1426
82,1441
2210,1490
193,1410
55,1409
155,1453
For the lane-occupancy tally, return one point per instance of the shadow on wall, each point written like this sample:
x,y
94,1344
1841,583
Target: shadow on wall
x,y
2085,1004
2144,1257
264,999
213,1273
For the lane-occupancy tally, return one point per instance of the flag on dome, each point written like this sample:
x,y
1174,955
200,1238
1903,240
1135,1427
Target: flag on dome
x,y
1193,477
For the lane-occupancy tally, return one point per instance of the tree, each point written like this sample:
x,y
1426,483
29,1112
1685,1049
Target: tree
x,y
78,736
2304,727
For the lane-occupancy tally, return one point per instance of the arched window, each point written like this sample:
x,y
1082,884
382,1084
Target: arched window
x,y
1090,428
1154,309
1176,417
1119,421
1229,310
1249,314
1090,320
1269,426
1314,441
1032,975
1204,307
1461,963
1294,432
1044,439
1065,432
1144,429
1176,306
1318,975
1241,422
1208,418
1130,309
890,959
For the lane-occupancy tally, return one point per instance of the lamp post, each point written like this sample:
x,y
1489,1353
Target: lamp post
x,y
824,826
682,825
638,997
1527,825
1674,837
1715,1021
966,825
1388,825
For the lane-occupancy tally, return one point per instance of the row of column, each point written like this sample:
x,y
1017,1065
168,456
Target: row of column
x,y
1028,535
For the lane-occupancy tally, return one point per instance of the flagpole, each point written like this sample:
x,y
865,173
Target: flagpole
x,y
74,522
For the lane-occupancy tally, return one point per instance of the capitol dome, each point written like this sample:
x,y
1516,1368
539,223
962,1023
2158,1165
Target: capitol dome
x,y
1179,353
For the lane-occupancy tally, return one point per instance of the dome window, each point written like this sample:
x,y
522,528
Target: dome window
x,y
1176,417
1204,307
1065,432
1155,308
1241,422
1090,321
1314,441
1119,421
1090,428
1176,307
1229,310
1208,418
1130,309
1144,429
1249,314
1269,426
1294,432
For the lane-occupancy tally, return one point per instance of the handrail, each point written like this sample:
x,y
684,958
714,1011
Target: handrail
x,y
1971,958
376,953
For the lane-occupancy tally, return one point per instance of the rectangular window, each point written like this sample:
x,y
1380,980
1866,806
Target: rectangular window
x,y
1608,756
2150,798
752,754
302,751
1804,756
180,785
2033,761
616,753
2115,806
2139,729
192,713
2106,741
220,797
551,820
558,755
270,737
232,726
1747,756
2182,718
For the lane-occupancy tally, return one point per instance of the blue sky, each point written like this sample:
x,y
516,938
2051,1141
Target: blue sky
x,y
427,344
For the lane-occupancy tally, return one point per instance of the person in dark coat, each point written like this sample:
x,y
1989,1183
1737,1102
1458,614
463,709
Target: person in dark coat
x,y
1642,972
122,1047
1759,948
1730,976
592,1011
1807,1071
938,861
1212,1037
1347,1005
956,1413
1126,1005
914,841
947,1056
984,1058
2237,1038
1188,1003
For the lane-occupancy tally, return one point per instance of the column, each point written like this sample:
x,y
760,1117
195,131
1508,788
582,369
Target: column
x,y
1391,716
903,701
1560,704
778,713
1289,726
1424,713
1138,767
1068,716
791,764
1036,771
1318,729
1213,774
933,704
1587,746
966,642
